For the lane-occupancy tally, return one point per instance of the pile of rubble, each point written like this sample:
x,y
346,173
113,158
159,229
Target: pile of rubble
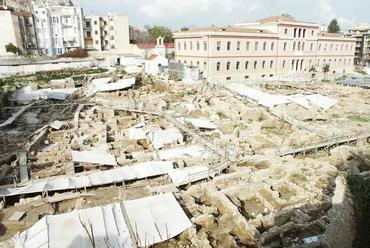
x,y
116,138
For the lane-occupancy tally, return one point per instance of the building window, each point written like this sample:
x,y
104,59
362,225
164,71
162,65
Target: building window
x,y
88,34
198,45
111,37
246,65
255,65
113,47
228,66
302,46
292,64
179,46
205,45
237,65
311,48
96,32
263,64
97,42
218,66
283,63
299,33
312,32
256,46
95,23
286,31
185,45
304,33
299,45
341,48
295,32
319,47
218,45
294,46
228,78
246,77
331,47
247,46
285,46
264,46
111,28
238,46
228,45
326,47
204,65
272,46
271,63
191,45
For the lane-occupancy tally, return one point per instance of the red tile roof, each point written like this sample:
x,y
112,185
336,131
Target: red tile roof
x,y
151,57
152,45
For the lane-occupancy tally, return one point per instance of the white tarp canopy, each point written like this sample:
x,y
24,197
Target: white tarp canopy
x,y
94,157
154,219
323,102
270,101
134,172
162,138
119,85
103,85
188,175
193,151
27,94
199,123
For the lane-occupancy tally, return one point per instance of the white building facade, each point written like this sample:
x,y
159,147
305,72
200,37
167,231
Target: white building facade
x,y
267,48
107,33
59,29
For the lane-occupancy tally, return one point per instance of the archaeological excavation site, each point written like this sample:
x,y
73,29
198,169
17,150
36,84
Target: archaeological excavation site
x,y
102,158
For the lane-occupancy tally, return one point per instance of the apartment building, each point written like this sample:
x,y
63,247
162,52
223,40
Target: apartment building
x,y
17,27
362,35
59,28
107,33
269,47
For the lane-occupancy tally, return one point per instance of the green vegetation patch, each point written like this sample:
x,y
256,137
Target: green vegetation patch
x,y
358,117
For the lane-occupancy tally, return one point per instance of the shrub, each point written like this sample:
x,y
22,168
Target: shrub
x,y
77,53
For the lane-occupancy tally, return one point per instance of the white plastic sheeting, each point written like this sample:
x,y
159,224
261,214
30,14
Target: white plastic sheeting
x,y
103,85
153,219
184,176
94,157
137,171
199,123
156,218
66,230
57,125
270,101
27,94
193,151
258,96
119,85
323,102
162,138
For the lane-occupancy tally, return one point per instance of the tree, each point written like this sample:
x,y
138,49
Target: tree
x,y
11,48
333,26
313,71
326,69
184,29
156,31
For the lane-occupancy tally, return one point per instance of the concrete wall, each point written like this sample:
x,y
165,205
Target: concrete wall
x,y
123,40
49,66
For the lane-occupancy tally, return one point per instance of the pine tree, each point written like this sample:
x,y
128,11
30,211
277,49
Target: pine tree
x,y
333,26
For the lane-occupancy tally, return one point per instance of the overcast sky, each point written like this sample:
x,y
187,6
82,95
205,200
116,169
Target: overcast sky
x,y
193,13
